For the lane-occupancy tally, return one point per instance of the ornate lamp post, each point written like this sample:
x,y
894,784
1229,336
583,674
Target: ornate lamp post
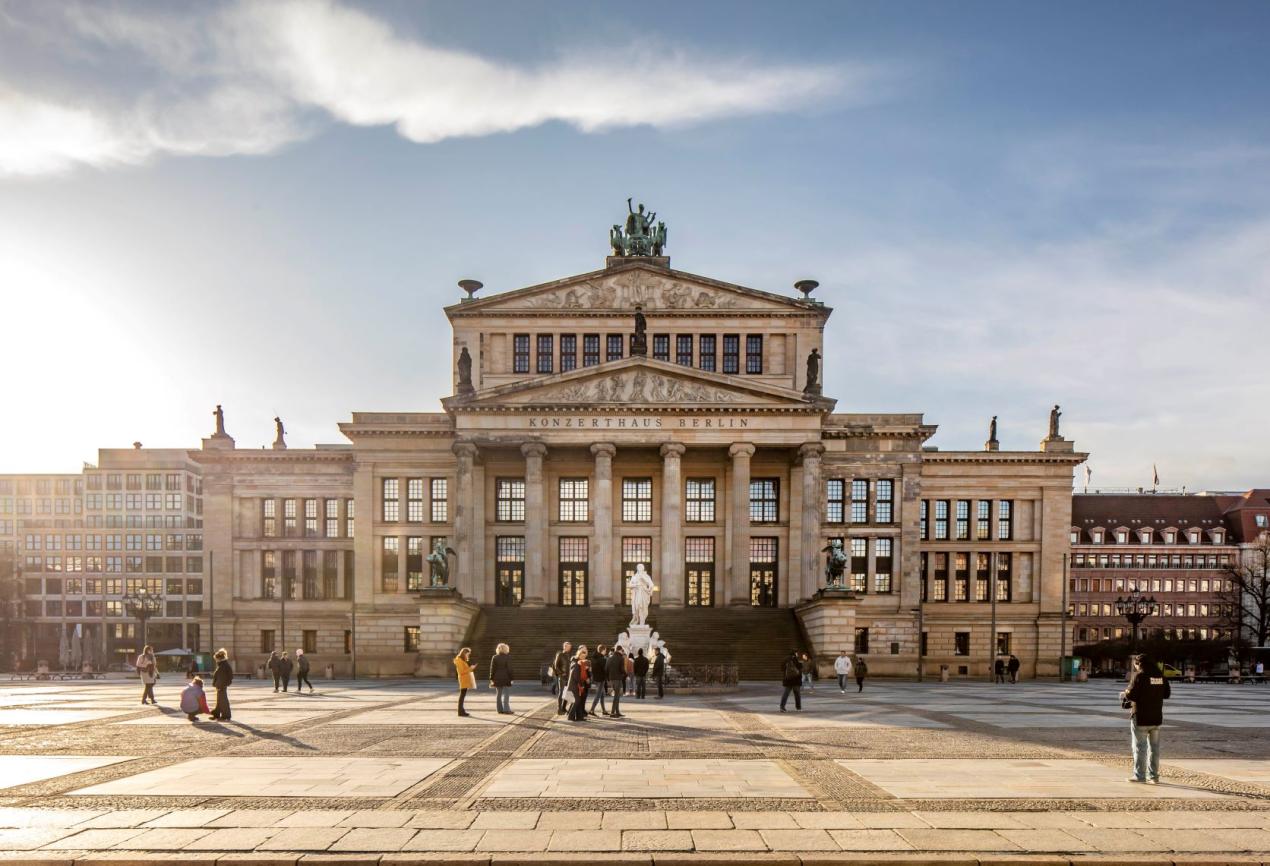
x,y
142,605
1135,608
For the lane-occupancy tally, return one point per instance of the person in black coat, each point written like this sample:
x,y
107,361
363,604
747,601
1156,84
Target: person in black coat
x,y
576,683
562,666
221,681
284,671
792,680
302,672
659,672
641,673
998,668
275,667
500,678
1013,667
599,676
616,667
1147,691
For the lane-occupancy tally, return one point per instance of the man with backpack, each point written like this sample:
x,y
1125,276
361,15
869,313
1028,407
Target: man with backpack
x,y
792,680
1145,696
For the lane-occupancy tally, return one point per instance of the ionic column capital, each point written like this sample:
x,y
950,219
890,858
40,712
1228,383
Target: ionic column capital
x,y
741,449
606,449
533,449
810,451
465,450
673,449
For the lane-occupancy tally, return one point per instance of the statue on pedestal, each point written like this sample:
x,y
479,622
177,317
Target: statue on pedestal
x,y
640,236
639,340
641,586
439,564
280,432
992,444
1054,416
813,373
220,421
835,564
465,372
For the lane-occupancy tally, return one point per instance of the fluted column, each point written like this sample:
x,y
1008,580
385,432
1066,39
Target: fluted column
x,y
739,561
465,569
535,525
809,454
671,578
602,517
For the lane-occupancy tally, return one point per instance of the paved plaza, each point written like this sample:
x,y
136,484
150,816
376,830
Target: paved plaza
x,y
385,772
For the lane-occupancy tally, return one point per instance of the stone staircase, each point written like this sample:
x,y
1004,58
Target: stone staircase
x,y
756,639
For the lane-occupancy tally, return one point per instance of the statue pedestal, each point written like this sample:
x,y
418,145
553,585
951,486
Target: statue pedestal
x,y
444,617
641,637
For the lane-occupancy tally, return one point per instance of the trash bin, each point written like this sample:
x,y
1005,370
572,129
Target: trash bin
x,y
330,672
262,673
943,673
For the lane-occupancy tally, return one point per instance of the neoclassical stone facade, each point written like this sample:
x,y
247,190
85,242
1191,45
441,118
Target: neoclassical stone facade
x,y
564,458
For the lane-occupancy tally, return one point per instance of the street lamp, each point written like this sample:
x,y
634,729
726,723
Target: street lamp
x,y
143,605
1135,608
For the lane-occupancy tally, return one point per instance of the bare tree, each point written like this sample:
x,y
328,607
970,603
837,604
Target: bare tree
x,y
1248,598
11,611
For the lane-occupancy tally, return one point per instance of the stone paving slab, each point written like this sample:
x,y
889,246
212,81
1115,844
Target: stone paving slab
x,y
1241,769
18,770
990,778
243,717
26,718
597,777
278,777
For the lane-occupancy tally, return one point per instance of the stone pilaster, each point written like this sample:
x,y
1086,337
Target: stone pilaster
x,y
739,561
809,455
535,525
463,520
671,578
602,517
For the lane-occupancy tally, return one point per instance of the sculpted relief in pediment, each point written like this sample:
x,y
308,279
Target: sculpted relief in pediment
x,y
625,291
638,386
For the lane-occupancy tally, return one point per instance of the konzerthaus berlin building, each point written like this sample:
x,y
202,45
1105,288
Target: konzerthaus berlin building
x,y
565,457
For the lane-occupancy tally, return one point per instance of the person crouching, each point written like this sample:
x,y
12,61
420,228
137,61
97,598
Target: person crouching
x,y
194,699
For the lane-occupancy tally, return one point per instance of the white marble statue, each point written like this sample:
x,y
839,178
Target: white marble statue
x,y
641,586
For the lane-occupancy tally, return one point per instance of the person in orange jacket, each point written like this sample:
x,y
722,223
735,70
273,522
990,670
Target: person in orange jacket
x,y
467,675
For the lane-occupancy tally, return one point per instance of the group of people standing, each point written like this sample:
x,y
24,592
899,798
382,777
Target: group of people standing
x,y
1001,667
500,677
611,672
798,670
281,667
193,699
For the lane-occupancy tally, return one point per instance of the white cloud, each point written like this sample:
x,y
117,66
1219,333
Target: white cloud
x,y
249,78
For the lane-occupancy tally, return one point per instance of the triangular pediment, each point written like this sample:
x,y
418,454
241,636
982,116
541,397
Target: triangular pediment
x,y
621,288
640,382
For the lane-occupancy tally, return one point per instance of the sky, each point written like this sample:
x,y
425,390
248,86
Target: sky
x,y
1008,205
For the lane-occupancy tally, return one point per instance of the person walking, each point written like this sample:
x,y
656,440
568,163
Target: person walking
x,y
808,667
641,673
659,672
842,667
466,673
500,678
616,666
302,672
792,681
284,670
576,685
599,678
630,673
148,669
861,671
275,667
561,668
194,699
1013,667
1148,690
998,669
222,679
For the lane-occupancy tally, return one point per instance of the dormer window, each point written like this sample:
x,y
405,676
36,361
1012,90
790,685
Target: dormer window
x,y
1096,535
1075,536
1193,536
1262,521
1170,537
1144,536
1218,534
1122,536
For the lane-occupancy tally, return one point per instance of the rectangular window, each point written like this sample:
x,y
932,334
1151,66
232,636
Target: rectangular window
x,y
1003,576
961,643
982,576
573,500
411,638
683,350
862,641
637,500
573,571
699,500
763,559
923,517
764,500
859,565
440,500
1005,520
884,500
983,519
309,573
288,573
634,552
568,352
348,518
267,644
961,577
509,565
613,348
308,641
590,350
269,512
288,517
731,353
661,347
963,520
546,353
310,518
509,495
754,354
332,513
414,500
414,563
391,500
835,500
860,501
941,519
388,564
882,564
520,353
939,584
707,355
330,573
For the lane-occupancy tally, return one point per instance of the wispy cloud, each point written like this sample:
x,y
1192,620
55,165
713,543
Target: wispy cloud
x,y
252,77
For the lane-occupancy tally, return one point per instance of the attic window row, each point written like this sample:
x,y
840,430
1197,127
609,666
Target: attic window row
x,y
1099,535
708,352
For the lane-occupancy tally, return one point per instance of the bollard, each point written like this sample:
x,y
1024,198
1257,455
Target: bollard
x,y
330,672
943,673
